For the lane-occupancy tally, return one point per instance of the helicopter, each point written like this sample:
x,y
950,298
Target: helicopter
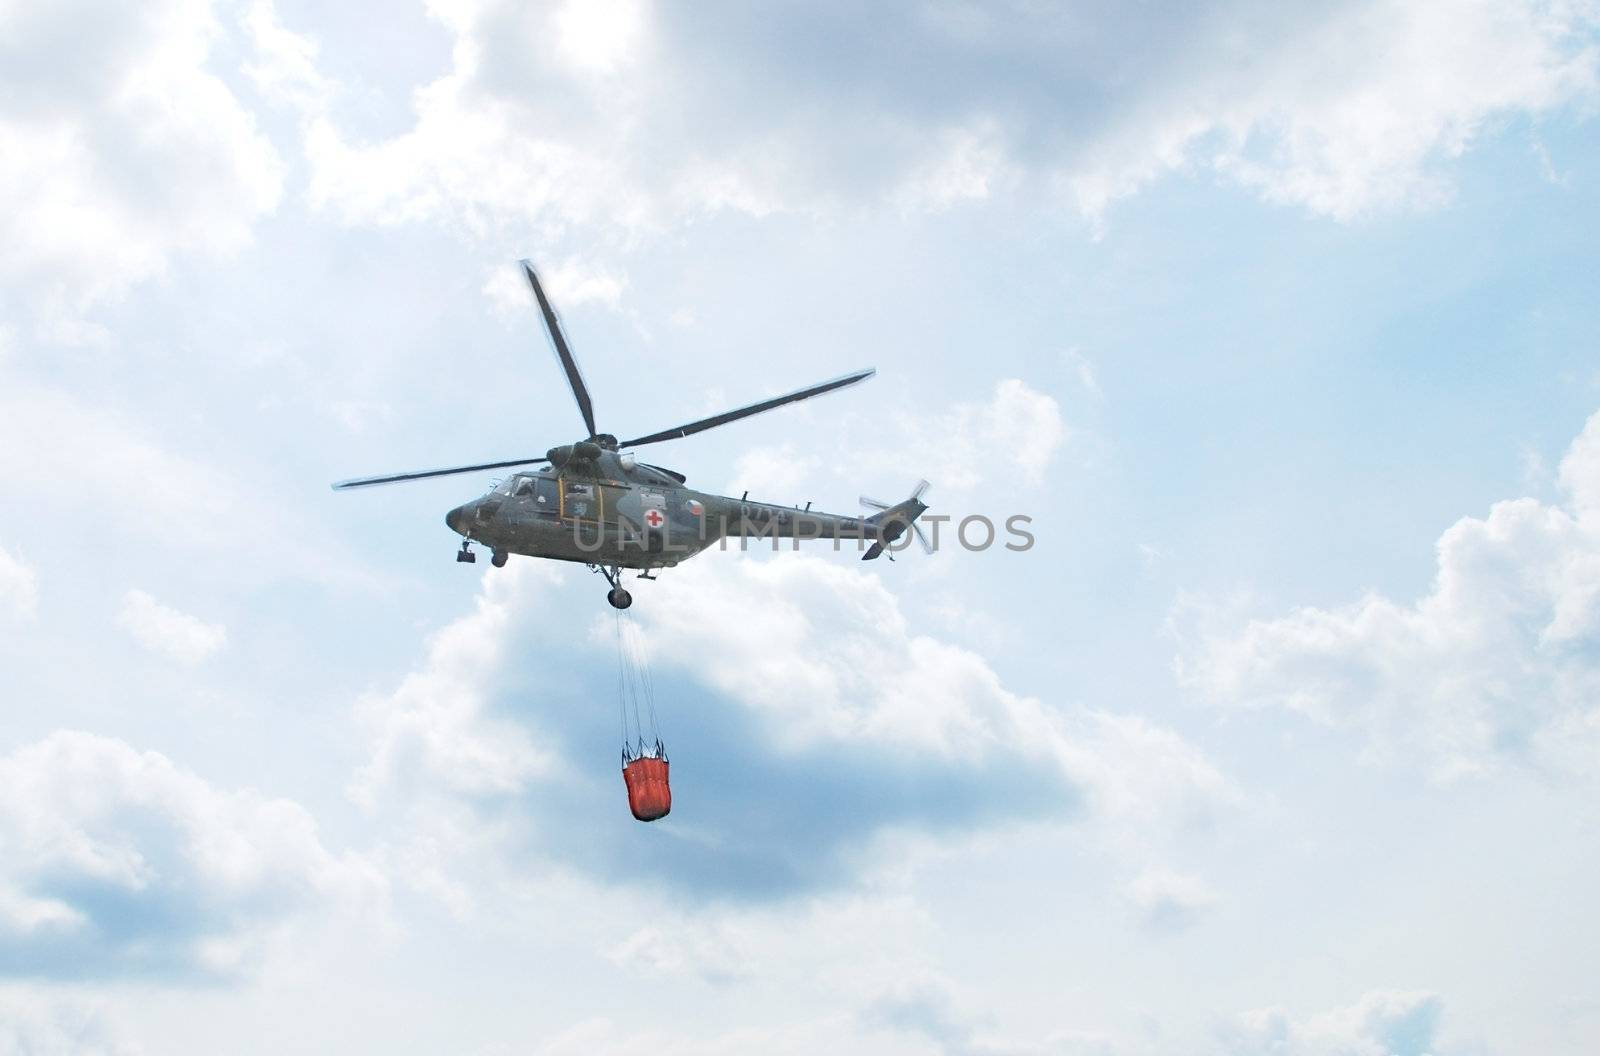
x,y
596,503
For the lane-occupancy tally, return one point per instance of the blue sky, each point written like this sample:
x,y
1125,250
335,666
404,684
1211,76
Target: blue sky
x,y
1278,320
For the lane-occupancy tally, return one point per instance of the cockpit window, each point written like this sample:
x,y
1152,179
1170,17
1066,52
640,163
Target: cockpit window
x,y
524,488
504,487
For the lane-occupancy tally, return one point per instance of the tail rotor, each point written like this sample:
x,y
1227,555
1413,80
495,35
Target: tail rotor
x,y
894,519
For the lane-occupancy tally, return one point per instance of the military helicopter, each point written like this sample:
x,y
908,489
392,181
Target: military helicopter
x,y
596,503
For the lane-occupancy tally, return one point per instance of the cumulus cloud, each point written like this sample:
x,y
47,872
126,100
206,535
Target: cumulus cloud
x,y
930,1010
1495,663
95,449
1382,1023
1353,109
284,67
673,112
1007,441
601,1036
1019,425
1168,901
184,638
37,1022
438,727
568,283
634,118
19,589
775,472
709,951
119,863
119,147
936,1017
813,945
812,721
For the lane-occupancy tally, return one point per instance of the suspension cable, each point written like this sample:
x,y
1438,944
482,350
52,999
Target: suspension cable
x,y
639,671
628,691
622,699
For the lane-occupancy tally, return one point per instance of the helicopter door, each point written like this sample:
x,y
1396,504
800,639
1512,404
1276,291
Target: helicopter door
x,y
546,496
614,498
580,501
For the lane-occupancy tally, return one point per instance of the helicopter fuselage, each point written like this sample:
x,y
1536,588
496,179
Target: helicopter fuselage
x,y
614,512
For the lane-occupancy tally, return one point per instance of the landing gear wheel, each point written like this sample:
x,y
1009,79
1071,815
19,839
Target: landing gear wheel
x,y
619,598
499,559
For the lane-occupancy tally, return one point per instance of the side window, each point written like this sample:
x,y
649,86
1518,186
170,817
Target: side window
x,y
524,488
580,501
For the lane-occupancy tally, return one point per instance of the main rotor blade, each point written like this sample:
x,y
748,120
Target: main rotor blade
x,y
754,408
552,325
423,474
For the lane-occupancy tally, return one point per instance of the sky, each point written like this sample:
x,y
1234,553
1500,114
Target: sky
x,y
1278,320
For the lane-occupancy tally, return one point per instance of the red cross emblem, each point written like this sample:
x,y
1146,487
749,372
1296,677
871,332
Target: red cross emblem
x,y
653,518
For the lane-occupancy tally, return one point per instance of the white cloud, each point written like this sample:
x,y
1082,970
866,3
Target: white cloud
x,y
1023,421
819,677
356,416
599,36
1399,87
1004,444
568,283
1169,901
119,147
96,450
161,629
971,167
646,118
1083,367
601,1036
935,1015
478,159
811,951
795,945
775,473
117,862
1495,663
19,589
1353,109
825,654
1382,1023
710,951
35,1021
436,727
284,67
1015,434
927,1009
